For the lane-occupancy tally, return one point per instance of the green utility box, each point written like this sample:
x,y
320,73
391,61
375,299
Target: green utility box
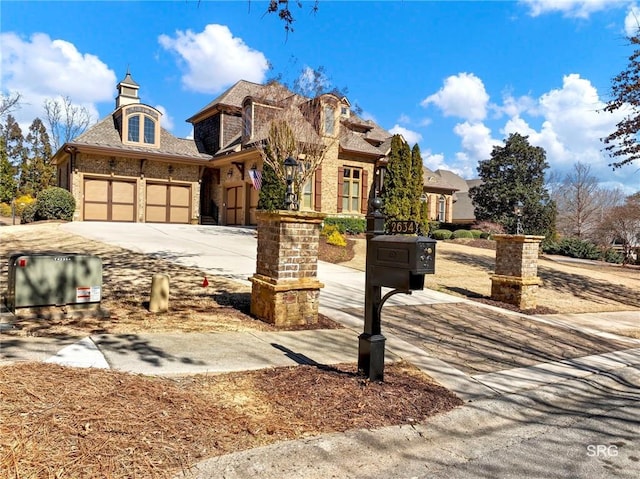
x,y
53,279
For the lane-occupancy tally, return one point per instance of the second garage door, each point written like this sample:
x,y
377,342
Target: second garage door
x,y
168,203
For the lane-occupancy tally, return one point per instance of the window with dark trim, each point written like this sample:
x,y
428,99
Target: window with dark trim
x,y
307,195
351,189
133,128
149,130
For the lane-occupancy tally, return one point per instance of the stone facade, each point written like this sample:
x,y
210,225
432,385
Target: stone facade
x,y
141,172
516,276
285,290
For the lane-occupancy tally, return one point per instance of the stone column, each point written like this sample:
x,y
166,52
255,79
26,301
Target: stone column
x,y
285,290
516,277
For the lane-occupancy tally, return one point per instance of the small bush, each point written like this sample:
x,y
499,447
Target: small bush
x,y
489,227
29,213
612,256
346,225
55,204
337,239
577,248
328,230
5,209
462,234
20,203
442,234
476,234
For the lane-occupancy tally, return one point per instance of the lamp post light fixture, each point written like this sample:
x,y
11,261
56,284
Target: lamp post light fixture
x,y
290,167
517,209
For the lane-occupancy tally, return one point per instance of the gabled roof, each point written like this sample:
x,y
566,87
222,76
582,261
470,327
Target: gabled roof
x,y
356,143
105,135
236,94
432,180
453,179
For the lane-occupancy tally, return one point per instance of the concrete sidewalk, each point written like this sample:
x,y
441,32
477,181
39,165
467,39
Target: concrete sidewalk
x,y
532,421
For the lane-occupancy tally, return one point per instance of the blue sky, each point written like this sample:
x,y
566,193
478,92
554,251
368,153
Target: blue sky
x,y
455,77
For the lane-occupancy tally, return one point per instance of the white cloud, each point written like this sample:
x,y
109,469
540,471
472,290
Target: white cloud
x,y
569,8
476,140
512,106
166,121
632,21
462,96
214,59
404,119
40,68
311,81
412,137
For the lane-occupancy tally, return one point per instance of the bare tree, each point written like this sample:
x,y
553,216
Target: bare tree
x,y
622,226
290,127
622,145
65,120
582,203
10,102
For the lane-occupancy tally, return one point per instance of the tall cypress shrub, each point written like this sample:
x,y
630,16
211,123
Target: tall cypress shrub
x,y
272,192
417,183
398,189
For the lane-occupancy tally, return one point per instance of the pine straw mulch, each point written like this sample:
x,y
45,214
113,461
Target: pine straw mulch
x,y
60,422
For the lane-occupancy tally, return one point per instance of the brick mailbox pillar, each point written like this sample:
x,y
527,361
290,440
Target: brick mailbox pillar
x,y
285,290
516,278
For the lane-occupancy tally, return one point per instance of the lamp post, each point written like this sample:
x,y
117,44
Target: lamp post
x,y
290,166
517,209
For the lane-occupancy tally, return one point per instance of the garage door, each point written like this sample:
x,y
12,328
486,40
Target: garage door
x,y
109,200
168,203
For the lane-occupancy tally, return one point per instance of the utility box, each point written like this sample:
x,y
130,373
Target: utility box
x,y
401,261
53,279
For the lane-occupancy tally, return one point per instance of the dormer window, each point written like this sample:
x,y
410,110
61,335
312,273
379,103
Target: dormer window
x,y
149,130
141,125
247,122
329,120
133,128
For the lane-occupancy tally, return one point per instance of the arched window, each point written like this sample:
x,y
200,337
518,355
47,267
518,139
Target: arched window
x,y
149,130
329,120
442,208
133,128
247,121
141,124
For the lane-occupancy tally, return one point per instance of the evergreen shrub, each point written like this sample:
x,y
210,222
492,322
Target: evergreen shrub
x,y
442,234
29,212
346,225
462,234
55,204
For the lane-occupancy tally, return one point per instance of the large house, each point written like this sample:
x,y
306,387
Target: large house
x,y
128,168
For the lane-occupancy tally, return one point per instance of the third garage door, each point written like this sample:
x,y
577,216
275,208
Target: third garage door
x,y
168,203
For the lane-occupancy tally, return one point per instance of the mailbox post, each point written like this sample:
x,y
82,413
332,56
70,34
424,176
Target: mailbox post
x,y
371,341
398,262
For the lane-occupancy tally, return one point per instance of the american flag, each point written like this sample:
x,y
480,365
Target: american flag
x,y
256,178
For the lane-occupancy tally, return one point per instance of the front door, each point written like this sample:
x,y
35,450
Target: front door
x,y
234,205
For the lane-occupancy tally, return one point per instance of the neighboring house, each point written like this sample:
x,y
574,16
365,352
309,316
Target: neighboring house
x,y
127,168
463,210
439,194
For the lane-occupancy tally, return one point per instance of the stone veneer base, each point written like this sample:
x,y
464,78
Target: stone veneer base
x,y
285,303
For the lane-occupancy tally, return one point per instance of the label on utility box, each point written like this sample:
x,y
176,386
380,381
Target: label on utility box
x,y
88,294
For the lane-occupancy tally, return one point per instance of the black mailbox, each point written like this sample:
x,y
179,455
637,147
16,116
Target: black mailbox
x,y
401,261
